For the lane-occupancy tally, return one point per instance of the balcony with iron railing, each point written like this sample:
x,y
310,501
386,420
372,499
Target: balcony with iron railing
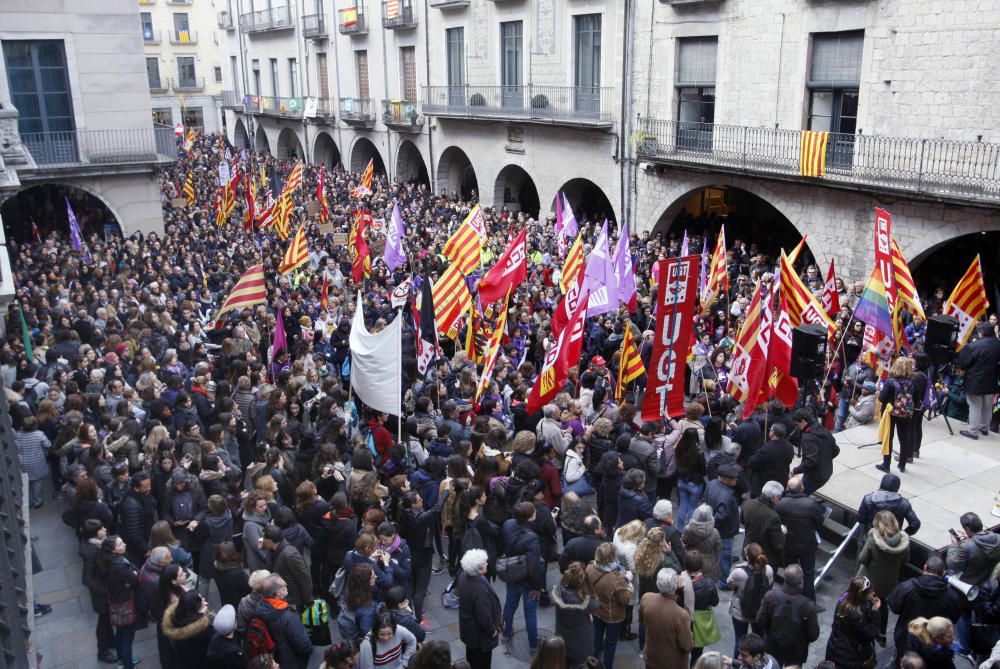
x,y
225,21
326,108
274,18
402,115
189,85
183,37
274,106
352,21
562,105
75,148
398,15
449,4
159,85
939,168
314,27
357,112
230,100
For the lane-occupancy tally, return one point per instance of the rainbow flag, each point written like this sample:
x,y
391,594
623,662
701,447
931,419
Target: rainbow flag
x,y
873,307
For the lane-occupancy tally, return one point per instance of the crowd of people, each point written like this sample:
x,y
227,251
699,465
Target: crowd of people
x,y
184,455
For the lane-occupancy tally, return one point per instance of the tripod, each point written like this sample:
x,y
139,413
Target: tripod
x,y
938,407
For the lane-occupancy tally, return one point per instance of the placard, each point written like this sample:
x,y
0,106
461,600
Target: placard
x,y
178,203
326,228
312,207
339,238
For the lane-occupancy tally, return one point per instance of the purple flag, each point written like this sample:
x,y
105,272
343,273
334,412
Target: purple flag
x,y
624,274
395,255
74,232
684,245
278,341
599,277
569,227
703,274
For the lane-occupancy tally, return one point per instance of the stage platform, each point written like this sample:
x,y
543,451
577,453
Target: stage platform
x,y
953,475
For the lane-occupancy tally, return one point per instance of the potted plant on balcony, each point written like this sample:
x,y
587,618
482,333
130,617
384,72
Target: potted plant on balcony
x,y
539,101
477,100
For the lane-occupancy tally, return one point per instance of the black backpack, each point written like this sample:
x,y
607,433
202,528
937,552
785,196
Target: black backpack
x,y
754,589
785,633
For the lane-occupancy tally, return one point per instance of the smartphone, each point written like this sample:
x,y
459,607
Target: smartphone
x,y
555,511
952,532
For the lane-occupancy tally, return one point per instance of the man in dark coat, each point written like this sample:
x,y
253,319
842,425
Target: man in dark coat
x,y
926,596
802,517
763,524
287,562
887,498
292,647
641,447
772,461
138,513
719,494
789,620
979,360
582,548
819,448
520,539
479,619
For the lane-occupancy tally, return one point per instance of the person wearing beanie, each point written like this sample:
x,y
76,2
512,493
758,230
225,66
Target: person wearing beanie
x,y
215,529
862,409
224,651
887,498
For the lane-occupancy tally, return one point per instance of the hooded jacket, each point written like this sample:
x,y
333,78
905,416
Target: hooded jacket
x,y
253,528
292,647
190,641
704,538
225,653
975,557
887,498
881,558
291,566
215,530
573,624
925,596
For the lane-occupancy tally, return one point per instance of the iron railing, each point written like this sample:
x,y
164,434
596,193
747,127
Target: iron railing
x,y
573,104
159,85
189,85
101,147
401,113
941,167
231,100
183,37
225,21
314,26
352,20
449,4
356,109
274,18
398,14
326,107
274,106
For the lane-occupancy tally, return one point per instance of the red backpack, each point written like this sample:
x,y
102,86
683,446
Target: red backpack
x,y
259,640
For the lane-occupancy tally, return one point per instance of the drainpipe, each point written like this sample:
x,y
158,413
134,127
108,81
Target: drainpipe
x,y
336,72
427,78
625,118
385,88
304,75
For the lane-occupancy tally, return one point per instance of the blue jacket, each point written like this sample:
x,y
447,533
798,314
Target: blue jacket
x,y
725,508
383,577
632,505
292,647
521,540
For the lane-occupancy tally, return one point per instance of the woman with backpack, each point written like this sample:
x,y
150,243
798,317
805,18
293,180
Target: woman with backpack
x,y
898,391
357,606
123,593
749,580
612,585
855,626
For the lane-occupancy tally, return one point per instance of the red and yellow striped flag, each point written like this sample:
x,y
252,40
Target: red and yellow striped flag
x,y
282,212
630,365
248,291
294,180
968,302
189,189
465,246
297,253
451,300
367,179
906,290
812,158
492,350
324,296
800,304
718,274
573,265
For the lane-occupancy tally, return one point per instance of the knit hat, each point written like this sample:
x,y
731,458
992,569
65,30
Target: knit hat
x,y
729,471
179,476
890,483
225,620
110,358
869,387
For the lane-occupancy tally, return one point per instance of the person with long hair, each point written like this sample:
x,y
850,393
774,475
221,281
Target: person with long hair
x,y
343,655
932,640
898,390
162,535
123,587
855,627
611,469
231,575
357,610
188,624
387,645
652,554
551,654
886,550
612,586
172,583
755,568
691,470
575,605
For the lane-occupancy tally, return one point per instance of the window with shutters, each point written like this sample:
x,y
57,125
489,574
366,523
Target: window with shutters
x,y
186,74
834,80
275,91
694,81
511,64
361,60
587,67
408,69
293,77
323,75
153,73
455,48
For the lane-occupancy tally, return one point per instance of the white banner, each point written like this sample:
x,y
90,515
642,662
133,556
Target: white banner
x,y
377,363
311,106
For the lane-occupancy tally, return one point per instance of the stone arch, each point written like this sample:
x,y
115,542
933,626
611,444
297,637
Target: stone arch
x,y
289,145
241,139
44,204
410,165
951,258
364,150
455,174
515,189
261,144
587,199
325,151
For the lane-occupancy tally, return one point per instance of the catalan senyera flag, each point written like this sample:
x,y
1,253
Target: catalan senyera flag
x,y
250,209
294,180
297,253
367,180
361,264
630,365
906,290
189,189
573,264
800,304
465,246
248,291
718,274
451,300
812,153
324,295
189,140
283,210
391,9
324,210
492,350
968,302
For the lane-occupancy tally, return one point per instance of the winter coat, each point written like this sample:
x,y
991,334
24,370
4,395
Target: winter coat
x,y
852,638
342,534
625,554
668,631
725,508
32,451
632,505
214,530
737,581
85,509
479,614
94,578
881,559
979,360
819,448
771,462
138,513
924,596
579,549
573,467
935,656
803,611
861,413
611,590
149,585
705,539
573,622
893,502
233,582
521,540
292,647
645,453
803,517
763,526
288,563
190,641
393,654
225,653
187,504
975,557
253,530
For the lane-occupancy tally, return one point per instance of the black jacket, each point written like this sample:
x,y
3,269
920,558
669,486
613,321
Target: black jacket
x,y
519,539
138,515
893,502
852,638
803,517
580,549
225,653
771,462
632,505
233,582
803,612
292,647
479,619
94,577
342,528
979,360
725,508
123,582
819,448
925,596
190,641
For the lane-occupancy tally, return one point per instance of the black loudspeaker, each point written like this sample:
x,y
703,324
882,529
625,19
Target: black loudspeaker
x,y
808,352
941,339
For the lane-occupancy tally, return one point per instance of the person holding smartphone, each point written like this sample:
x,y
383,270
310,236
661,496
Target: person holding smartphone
x,y
855,626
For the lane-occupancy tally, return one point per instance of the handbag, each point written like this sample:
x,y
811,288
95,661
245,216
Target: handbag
x,y
705,629
122,614
581,486
512,569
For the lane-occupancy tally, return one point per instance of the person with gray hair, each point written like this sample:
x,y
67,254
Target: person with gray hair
x,y
763,524
663,517
787,637
292,647
668,626
700,535
551,430
479,615
149,574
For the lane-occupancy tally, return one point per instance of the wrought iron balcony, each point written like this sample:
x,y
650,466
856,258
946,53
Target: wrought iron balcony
x,y
573,105
402,115
225,21
274,18
272,106
398,15
231,101
357,112
183,37
314,27
159,85
101,147
449,4
948,169
326,108
352,21
195,85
